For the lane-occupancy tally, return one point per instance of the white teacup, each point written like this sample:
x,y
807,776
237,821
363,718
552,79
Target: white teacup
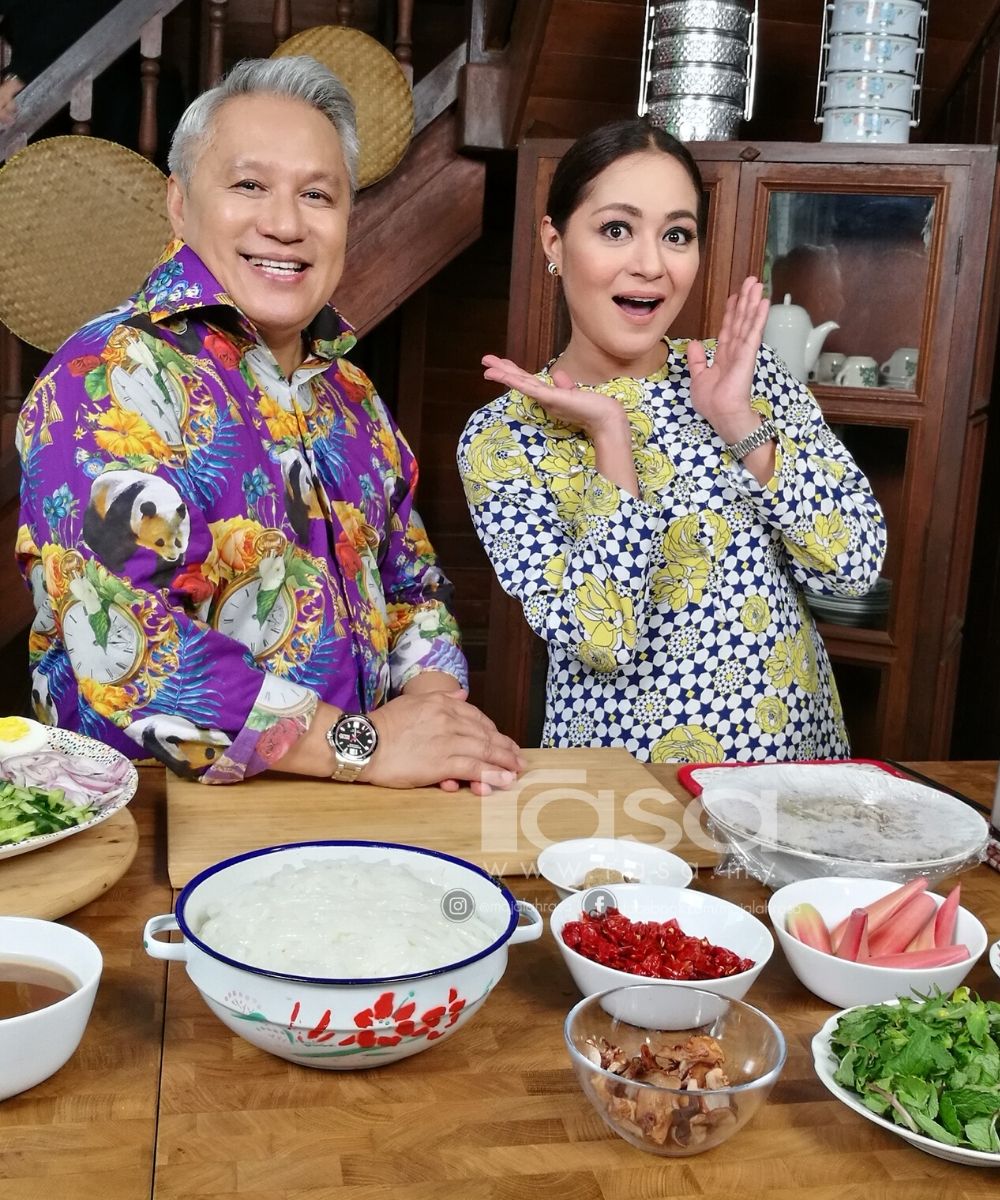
x,y
901,366
859,370
827,366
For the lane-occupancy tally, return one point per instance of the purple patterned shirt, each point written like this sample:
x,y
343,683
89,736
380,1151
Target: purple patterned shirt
x,y
214,548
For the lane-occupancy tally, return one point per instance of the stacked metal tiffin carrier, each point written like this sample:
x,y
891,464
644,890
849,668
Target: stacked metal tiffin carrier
x,y
871,65
698,66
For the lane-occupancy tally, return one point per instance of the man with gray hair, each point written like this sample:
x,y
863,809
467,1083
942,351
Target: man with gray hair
x,y
217,515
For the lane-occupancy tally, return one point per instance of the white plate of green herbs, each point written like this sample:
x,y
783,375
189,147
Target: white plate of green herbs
x,y
927,1069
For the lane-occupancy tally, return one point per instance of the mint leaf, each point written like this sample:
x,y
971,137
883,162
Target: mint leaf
x,y
982,1134
934,1130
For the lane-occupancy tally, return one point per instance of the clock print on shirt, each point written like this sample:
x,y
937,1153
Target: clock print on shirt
x,y
236,617
112,663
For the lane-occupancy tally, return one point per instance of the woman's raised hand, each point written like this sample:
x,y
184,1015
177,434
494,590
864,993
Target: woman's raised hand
x,y
564,401
721,392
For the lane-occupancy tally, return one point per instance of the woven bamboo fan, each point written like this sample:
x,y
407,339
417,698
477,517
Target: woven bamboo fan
x,y
82,221
378,87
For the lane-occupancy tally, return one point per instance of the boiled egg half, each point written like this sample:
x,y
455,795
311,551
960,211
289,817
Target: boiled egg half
x,y
20,735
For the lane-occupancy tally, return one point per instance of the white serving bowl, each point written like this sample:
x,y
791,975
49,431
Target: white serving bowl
x,y
565,864
868,89
335,1023
844,983
698,915
900,17
866,125
35,1045
825,1062
995,958
867,52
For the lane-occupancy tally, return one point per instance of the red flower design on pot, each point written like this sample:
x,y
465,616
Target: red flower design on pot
x,y
384,1024
434,1016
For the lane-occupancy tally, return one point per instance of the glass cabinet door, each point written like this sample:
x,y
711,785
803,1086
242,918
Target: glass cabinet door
x,y
862,261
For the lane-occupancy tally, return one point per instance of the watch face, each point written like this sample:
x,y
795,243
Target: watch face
x,y
355,738
237,617
112,662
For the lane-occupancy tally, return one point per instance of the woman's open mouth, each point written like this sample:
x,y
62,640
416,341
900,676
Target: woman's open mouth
x,y
638,306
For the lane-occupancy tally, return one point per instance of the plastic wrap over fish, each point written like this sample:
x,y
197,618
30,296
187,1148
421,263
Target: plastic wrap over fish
x,y
789,821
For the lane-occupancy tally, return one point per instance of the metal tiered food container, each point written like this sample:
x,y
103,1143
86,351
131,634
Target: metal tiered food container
x,y
698,66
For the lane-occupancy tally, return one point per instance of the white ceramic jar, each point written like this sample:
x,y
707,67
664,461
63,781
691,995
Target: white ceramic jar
x,y
867,89
865,125
898,17
862,52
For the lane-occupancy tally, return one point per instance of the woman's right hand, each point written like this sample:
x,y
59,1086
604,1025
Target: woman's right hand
x,y
564,401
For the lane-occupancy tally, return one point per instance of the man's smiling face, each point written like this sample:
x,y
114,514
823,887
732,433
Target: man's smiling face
x,y
266,210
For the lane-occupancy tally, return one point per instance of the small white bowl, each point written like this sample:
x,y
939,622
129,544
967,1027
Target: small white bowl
x,y
698,915
995,958
35,1045
847,984
564,864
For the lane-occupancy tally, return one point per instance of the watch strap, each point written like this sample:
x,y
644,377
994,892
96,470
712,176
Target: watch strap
x,y
765,432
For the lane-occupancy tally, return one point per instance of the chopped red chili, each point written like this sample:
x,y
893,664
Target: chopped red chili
x,y
655,949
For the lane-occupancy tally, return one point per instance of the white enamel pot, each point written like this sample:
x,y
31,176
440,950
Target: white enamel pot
x,y
335,1023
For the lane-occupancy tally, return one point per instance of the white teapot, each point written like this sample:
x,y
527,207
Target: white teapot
x,y
789,330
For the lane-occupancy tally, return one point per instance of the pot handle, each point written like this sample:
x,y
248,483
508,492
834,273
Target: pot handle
x,y
173,951
533,930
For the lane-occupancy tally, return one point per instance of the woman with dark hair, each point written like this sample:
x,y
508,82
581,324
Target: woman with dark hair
x,y
661,507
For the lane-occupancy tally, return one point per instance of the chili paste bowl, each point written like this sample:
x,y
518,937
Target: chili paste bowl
x,y
725,926
333,1022
673,1070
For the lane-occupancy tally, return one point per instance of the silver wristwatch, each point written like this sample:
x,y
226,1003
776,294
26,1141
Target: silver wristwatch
x,y
353,740
766,431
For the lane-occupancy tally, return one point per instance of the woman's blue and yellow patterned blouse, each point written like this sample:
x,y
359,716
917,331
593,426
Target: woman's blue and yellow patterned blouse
x,y
677,624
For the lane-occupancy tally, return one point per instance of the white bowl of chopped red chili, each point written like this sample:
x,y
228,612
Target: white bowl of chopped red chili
x,y
625,933
674,1070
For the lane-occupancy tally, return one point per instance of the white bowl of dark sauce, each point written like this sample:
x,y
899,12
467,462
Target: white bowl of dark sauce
x,y
48,979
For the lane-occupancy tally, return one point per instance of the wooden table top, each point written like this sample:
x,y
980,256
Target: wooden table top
x,y
162,1101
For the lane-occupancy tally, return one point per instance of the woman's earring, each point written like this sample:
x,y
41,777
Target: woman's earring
x,y
552,269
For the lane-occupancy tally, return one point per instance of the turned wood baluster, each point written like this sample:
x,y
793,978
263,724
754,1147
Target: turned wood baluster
x,y
404,37
150,46
281,22
216,38
81,106
345,11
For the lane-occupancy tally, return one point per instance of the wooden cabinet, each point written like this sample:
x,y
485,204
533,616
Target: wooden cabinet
x,y
898,245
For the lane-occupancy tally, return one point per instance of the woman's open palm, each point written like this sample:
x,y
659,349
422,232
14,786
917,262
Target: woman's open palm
x,y
564,401
721,392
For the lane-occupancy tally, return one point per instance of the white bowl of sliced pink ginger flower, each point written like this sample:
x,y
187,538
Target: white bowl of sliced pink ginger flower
x,y
864,941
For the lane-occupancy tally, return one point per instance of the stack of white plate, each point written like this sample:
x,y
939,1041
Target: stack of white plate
x,y
700,62
873,57
868,610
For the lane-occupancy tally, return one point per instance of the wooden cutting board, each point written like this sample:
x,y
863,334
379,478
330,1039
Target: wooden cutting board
x,y
58,879
562,794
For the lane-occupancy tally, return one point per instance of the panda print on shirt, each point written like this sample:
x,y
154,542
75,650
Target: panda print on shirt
x,y
130,511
